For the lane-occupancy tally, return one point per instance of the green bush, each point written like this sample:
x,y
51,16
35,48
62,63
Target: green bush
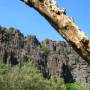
x,y
26,76
72,86
45,49
56,83
77,86
4,70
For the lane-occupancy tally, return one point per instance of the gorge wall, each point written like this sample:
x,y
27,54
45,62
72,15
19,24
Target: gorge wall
x,y
51,57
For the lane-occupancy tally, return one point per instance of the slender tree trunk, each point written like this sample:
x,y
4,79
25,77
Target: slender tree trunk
x,y
63,24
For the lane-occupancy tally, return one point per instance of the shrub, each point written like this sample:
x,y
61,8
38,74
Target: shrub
x,y
56,83
4,70
45,49
26,76
77,86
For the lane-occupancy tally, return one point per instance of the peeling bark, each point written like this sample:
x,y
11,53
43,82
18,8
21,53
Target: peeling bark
x,y
63,24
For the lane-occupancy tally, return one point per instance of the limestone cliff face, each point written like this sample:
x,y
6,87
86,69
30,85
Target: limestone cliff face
x,y
51,57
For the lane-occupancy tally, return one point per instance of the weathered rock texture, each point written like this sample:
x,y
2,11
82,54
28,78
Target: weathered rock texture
x,y
51,57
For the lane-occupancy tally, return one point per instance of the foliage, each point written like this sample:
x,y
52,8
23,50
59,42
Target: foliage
x,y
56,83
45,49
77,86
4,70
26,76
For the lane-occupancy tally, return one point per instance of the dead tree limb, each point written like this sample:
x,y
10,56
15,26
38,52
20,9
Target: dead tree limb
x,y
63,24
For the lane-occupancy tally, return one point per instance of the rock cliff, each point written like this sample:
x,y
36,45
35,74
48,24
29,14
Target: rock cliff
x,y
51,57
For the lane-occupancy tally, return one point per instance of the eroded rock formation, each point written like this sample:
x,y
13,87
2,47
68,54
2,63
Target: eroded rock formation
x,y
51,57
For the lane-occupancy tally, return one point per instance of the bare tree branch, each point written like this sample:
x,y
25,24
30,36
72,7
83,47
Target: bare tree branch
x,y
63,24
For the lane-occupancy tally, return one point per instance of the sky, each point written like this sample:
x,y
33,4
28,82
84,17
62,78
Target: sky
x,y
14,13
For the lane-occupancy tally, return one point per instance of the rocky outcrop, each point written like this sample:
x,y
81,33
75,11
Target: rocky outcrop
x,y
51,57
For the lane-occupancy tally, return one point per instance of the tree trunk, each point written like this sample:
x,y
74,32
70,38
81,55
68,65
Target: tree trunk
x,y
63,24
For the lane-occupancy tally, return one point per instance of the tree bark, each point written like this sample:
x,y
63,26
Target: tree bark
x,y
63,24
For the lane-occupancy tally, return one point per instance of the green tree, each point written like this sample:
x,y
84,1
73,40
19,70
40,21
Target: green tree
x,y
26,77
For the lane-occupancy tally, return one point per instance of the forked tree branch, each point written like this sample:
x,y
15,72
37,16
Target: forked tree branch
x,y
63,24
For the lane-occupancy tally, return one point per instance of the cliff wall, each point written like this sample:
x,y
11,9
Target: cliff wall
x,y
51,57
